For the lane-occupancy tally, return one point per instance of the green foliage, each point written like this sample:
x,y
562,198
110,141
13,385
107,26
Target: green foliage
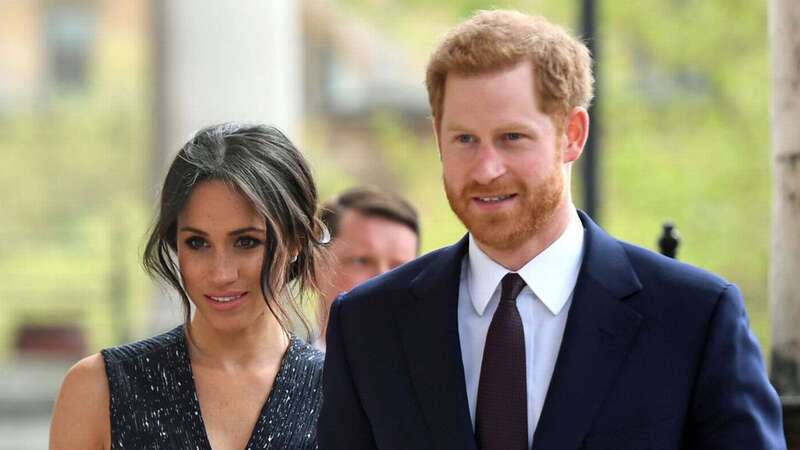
x,y
73,177
683,88
683,109
416,162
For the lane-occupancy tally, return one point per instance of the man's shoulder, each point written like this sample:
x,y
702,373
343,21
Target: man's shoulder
x,y
668,275
609,258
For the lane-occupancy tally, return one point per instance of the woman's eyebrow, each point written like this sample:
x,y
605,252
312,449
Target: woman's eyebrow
x,y
246,230
193,230
236,232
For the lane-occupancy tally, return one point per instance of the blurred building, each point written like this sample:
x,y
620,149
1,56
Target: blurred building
x,y
125,82
204,62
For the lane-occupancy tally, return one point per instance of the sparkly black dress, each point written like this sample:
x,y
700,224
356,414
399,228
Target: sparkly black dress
x,y
154,402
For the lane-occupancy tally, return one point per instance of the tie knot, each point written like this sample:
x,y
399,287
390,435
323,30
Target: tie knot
x,y
512,285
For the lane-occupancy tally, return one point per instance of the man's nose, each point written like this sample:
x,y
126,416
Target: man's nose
x,y
489,164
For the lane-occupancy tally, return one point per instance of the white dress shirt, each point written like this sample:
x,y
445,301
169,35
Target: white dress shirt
x,y
543,306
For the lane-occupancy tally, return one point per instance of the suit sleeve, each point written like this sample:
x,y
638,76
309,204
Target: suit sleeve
x,y
734,405
343,424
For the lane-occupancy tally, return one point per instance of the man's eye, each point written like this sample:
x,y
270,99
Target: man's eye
x,y
514,136
196,243
465,139
247,242
359,261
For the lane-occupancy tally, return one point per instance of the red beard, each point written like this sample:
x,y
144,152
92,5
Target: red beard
x,y
535,206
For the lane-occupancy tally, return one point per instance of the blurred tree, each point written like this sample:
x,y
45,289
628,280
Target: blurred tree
x,y
75,197
686,125
784,35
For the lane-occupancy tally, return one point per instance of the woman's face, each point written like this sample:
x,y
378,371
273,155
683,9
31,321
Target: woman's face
x,y
220,250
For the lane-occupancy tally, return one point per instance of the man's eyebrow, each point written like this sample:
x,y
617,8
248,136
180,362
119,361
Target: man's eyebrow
x,y
456,128
518,126
512,125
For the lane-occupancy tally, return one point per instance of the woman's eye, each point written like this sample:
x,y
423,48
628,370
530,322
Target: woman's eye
x,y
196,243
247,242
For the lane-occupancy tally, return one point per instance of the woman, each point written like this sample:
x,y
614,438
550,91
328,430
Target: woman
x,y
238,238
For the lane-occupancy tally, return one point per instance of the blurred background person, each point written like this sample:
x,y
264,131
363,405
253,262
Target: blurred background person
x,y
237,224
372,231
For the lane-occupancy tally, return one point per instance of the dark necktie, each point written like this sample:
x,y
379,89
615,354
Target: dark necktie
x,y
501,416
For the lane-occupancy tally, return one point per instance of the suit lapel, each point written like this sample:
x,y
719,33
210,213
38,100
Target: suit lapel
x,y
599,333
428,326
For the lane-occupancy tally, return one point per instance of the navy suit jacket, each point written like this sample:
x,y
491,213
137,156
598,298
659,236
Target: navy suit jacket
x,y
656,355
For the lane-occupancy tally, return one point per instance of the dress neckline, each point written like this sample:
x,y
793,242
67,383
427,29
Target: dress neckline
x,y
277,388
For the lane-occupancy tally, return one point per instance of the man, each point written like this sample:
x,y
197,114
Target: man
x,y
537,330
373,231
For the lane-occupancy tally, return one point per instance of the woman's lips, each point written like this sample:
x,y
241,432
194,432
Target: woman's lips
x,y
224,301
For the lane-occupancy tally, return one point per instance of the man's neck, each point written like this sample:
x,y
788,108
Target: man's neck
x,y
515,258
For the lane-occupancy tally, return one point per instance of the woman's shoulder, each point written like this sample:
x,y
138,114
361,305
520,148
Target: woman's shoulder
x,y
84,384
87,376
80,415
144,348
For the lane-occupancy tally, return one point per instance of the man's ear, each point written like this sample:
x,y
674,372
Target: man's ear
x,y
576,132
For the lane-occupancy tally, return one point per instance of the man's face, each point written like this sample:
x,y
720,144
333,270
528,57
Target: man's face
x,y
364,247
503,159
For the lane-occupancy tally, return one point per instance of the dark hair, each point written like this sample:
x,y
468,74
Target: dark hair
x,y
265,167
372,202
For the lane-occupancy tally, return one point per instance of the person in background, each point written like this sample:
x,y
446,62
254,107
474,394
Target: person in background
x,y
373,231
537,330
238,237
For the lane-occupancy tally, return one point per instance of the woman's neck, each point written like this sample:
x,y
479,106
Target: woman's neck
x,y
262,342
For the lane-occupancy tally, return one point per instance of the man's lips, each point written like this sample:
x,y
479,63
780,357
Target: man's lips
x,y
492,198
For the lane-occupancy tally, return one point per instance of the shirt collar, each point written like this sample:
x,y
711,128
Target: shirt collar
x,y
551,275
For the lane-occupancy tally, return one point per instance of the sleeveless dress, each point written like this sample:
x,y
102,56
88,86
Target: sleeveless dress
x,y
153,401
